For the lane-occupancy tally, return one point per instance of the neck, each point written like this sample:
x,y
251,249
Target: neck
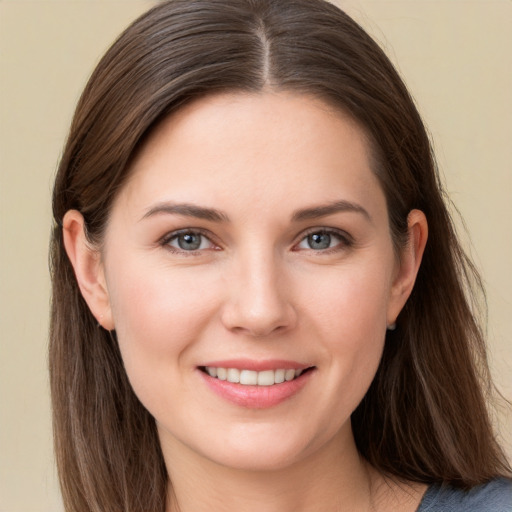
x,y
334,478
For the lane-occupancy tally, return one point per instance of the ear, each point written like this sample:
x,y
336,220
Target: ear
x,y
409,264
88,267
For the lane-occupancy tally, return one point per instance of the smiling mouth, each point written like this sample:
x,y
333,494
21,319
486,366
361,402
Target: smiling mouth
x,y
254,378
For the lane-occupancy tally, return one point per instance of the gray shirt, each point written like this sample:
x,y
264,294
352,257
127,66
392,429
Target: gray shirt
x,y
495,496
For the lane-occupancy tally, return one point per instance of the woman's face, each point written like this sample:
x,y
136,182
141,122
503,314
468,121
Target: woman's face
x,y
252,240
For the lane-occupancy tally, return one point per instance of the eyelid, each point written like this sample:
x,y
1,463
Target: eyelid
x,y
168,237
346,238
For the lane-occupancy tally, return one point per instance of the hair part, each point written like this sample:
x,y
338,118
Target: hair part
x,y
424,417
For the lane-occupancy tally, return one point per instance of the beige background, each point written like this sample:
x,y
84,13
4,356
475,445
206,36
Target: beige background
x,y
455,57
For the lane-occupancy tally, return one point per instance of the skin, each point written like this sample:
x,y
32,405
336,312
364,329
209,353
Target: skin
x,y
255,289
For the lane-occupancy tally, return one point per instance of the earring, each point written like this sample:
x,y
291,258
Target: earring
x,y
392,327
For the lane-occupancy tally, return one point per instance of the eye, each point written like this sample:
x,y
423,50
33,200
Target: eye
x,y
324,239
187,241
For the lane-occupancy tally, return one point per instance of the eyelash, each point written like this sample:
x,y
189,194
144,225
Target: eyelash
x,y
167,239
345,240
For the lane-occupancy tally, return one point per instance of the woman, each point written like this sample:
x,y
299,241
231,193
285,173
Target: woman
x,y
246,310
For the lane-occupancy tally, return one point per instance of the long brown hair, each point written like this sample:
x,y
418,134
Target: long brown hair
x,y
424,417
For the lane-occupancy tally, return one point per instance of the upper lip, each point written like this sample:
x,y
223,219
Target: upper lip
x,y
257,365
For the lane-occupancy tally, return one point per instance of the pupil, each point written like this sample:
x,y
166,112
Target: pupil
x,y
319,240
189,242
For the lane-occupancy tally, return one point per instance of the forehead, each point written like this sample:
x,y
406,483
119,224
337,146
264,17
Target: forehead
x,y
254,149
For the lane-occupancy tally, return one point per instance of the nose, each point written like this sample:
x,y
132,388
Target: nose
x,y
258,298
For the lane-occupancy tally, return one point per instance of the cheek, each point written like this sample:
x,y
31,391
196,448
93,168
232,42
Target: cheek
x,y
351,302
158,314
348,320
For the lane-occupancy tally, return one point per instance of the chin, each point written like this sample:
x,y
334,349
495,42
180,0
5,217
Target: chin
x,y
244,447
261,448
257,459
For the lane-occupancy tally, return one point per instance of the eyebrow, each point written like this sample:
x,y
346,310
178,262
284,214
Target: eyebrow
x,y
187,210
211,214
329,209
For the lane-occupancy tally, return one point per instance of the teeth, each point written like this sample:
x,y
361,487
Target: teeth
x,y
248,377
252,378
266,378
289,375
233,375
279,376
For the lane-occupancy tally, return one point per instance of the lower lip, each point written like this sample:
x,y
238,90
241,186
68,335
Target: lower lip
x,y
256,397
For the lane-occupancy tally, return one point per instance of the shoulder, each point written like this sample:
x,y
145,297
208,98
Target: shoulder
x,y
495,496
